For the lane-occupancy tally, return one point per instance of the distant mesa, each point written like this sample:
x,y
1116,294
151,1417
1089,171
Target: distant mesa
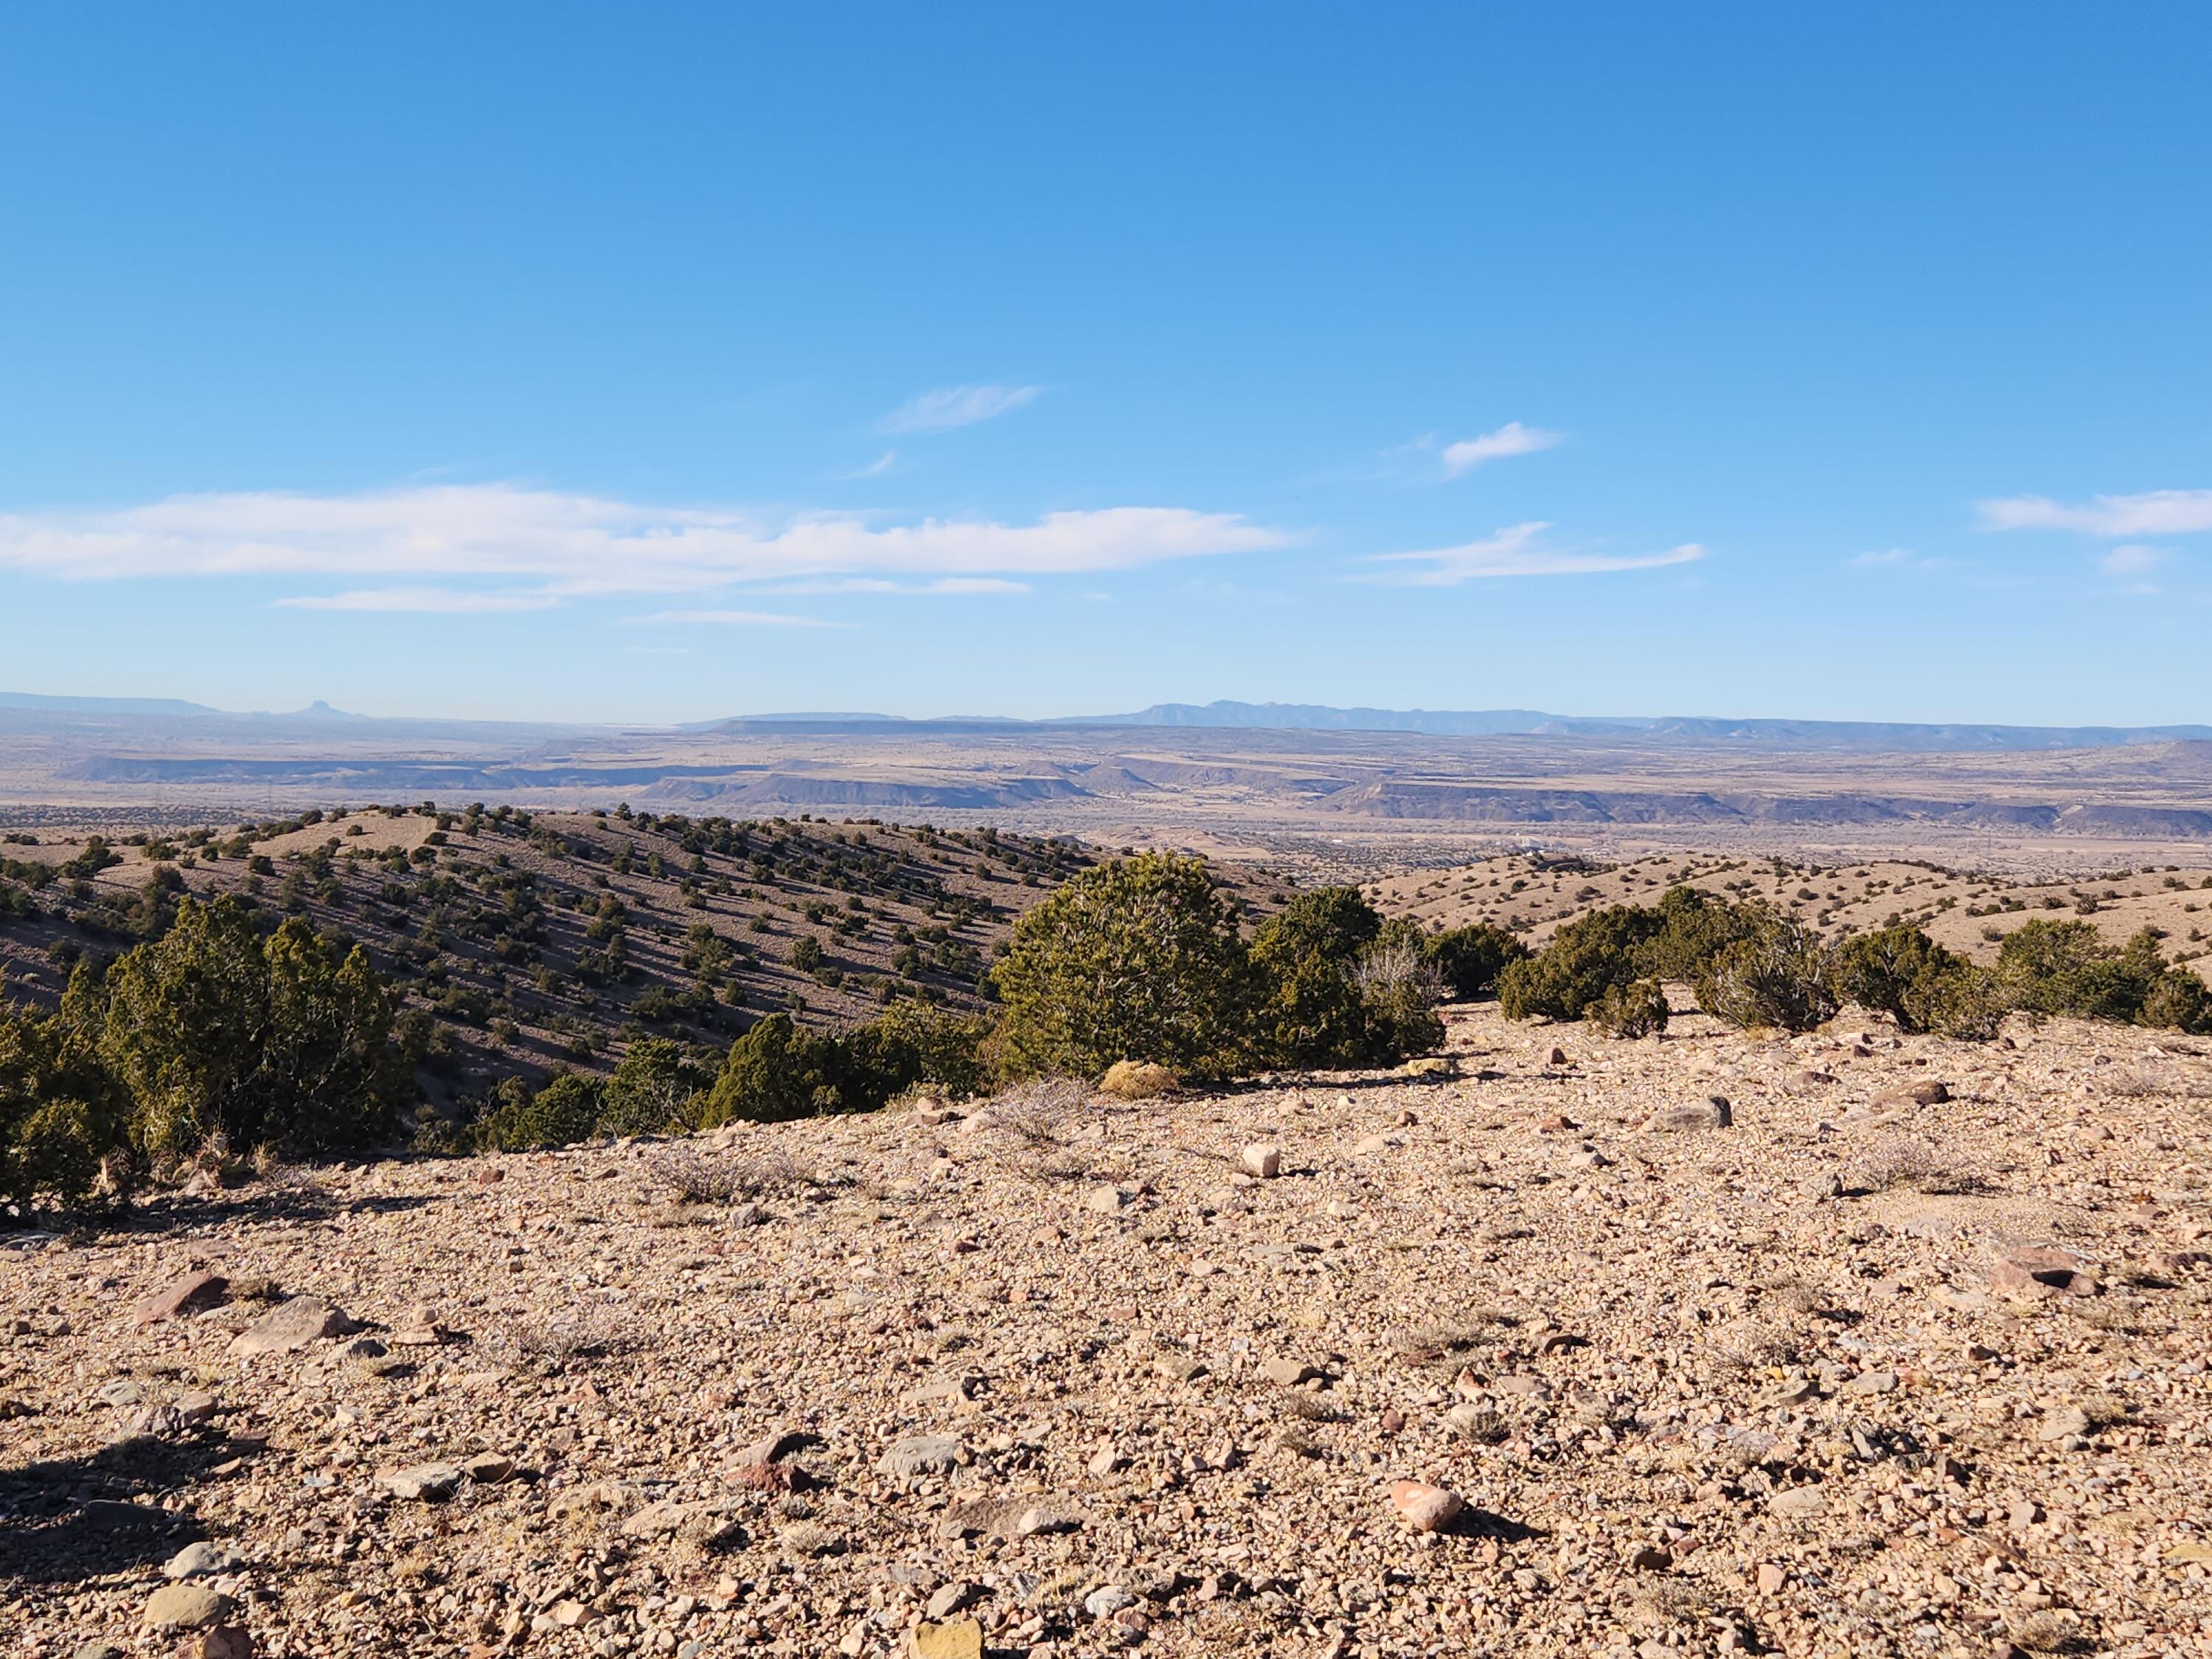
x,y
29,699
1870,737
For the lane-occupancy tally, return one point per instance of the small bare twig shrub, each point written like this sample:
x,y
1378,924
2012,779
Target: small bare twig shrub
x,y
1911,1163
692,1179
574,1333
1040,1114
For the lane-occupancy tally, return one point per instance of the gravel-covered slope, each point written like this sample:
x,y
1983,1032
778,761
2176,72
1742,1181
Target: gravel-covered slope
x,y
1806,1373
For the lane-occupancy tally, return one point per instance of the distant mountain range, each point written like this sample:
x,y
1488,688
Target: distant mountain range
x,y
316,710
1880,737
1863,736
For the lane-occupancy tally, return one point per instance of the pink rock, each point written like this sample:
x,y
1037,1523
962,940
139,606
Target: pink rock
x,y
186,1295
769,1477
1423,1507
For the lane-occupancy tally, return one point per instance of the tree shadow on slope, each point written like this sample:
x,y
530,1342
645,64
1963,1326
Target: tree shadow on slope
x,y
67,1519
283,1203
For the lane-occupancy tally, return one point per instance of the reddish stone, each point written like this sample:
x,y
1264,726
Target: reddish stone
x,y
186,1295
770,1477
1424,1507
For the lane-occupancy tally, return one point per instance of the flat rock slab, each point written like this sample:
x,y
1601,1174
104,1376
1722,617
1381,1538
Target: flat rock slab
x,y
182,1296
426,1481
956,1638
1798,1502
1021,1517
200,1561
1713,1113
920,1454
292,1326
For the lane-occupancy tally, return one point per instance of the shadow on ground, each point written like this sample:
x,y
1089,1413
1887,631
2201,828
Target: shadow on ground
x,y
76,1518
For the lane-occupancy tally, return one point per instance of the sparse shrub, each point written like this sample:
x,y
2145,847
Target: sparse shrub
x,y
1034,1124
1039,1112
1400,989
693,1179
1471,958
659,1086
2064,967
1635,1010
1309,1011
2177,1000
1138,956
1778,975
577,1331
220,1033
1902,973
1691,930
1906,1162
1586,958
564,1111
62,1111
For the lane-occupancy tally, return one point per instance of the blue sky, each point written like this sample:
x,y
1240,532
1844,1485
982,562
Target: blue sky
x,y
658,362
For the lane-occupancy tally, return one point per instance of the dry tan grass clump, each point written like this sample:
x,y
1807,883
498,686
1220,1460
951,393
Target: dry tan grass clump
x,y
1911,1163
2047,1630
1136,1080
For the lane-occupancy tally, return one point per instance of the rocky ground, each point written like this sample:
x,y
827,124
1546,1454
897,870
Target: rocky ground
x,y
1553,1355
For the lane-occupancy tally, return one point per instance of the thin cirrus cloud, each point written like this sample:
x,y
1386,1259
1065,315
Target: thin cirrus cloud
x,y
1510,439
875,469
566,546
2131,560
1518,550
884,585
2155,513
733,619
949,407
1895,558
424,601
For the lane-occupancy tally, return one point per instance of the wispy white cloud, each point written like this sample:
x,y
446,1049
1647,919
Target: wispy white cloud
x,y
2130,566
1517,550
2155,512
951,406
447,600
1511,438
875,469
1895,558
570,545
733,619
2131,560
884,585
